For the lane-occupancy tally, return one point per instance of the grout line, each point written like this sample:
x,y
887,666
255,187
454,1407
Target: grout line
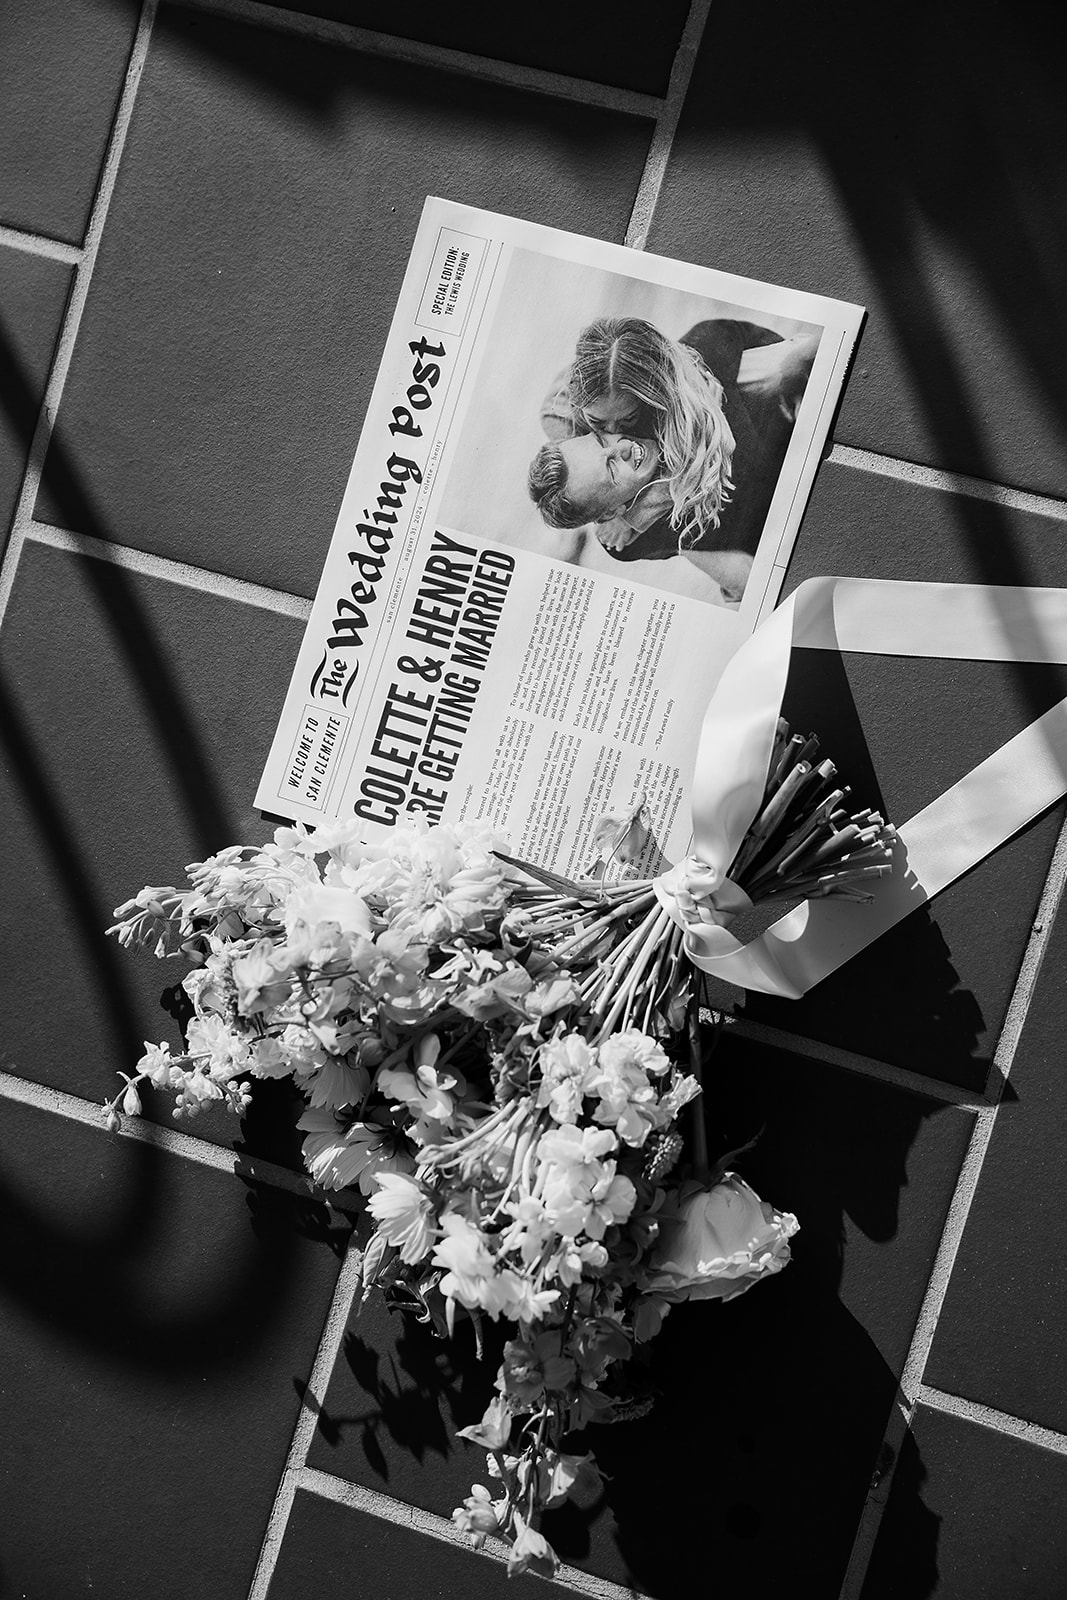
x,y
369,1501
659,151
865,1066
222,1157
893,1440
967,1183
414,52
304,1432
68,333
844,455
202,579
37,244
911,1382
955,1405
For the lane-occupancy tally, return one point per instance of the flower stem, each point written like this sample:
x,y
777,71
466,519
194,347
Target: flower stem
x,y
696,1063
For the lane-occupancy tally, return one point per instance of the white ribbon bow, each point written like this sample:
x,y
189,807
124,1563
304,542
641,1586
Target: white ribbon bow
x,y
947,838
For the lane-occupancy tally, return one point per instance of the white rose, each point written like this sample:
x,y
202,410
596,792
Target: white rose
x,y
719,1243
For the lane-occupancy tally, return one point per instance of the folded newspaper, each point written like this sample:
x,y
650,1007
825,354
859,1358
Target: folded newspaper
x,y
575,493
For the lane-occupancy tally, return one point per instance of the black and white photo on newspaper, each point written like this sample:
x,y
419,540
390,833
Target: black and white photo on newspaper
x,y
575,492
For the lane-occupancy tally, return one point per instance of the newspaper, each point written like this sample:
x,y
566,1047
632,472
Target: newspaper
x,y
533,586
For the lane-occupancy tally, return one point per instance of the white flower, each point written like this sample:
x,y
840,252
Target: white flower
x,y
531,1552
204,987
551,996
633,1049
259,982
718,1244
568,1066
582,1193
627,1099
228,1051
156,1065
681,1091
470,1264
433,882
569,1262
314,904
404,1214
494,1430
563,1475
576,1147
425,1092
479,1515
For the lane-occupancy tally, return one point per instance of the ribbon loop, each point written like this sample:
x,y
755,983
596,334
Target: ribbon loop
x,y
946,839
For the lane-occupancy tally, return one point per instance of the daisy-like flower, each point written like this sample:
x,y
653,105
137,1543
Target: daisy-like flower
x,y
404,1214
338,1155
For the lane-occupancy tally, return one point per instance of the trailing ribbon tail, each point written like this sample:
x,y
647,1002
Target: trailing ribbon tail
x,y
943,841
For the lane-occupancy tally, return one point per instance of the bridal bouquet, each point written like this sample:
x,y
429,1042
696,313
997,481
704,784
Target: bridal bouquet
x,y
500,1060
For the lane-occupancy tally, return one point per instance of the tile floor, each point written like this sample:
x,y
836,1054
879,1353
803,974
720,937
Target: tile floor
x,y
205,210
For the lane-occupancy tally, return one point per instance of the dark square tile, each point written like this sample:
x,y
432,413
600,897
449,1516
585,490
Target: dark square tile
x,y
62,63
870,1173
136,717
156,1319
33,294
262,220
999,1338
329,1548
636,51
972,1515
898,169
902,731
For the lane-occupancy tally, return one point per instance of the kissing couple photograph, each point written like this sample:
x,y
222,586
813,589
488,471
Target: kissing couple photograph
x,y
650,445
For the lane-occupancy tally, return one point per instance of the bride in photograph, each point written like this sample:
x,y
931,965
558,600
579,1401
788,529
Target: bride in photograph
x,y
671,446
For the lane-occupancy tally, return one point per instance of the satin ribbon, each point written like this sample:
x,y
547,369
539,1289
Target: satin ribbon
x,y
939,844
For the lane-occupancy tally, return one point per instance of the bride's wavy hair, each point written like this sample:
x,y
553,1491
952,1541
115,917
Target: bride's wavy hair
x,y
681,405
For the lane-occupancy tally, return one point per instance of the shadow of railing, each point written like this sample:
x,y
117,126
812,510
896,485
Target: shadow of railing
x,y
73,1275
786,1375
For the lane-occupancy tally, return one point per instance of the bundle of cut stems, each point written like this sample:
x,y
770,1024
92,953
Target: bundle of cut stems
x,y
804,843
626,952
621,947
